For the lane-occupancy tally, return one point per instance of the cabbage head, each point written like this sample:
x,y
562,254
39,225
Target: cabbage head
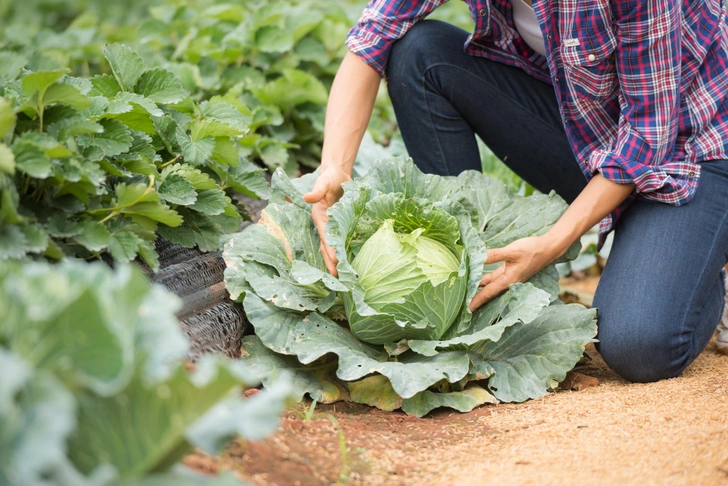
x,y
400,273
393,330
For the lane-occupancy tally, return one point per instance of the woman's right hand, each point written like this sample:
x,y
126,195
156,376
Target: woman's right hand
x,y
326,191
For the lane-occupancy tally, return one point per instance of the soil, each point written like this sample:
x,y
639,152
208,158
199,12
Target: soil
x,y
596,429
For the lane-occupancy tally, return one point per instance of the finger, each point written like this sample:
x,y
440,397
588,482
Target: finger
x,y
320,218
496,255
487,278
329,259
333,260
328,253
495,274
317,193
488,293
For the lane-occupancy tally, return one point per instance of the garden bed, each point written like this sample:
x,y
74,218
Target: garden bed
x,y
671,432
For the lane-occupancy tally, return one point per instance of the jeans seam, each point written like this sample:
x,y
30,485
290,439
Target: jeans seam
x,y
702,274
432,124
495,88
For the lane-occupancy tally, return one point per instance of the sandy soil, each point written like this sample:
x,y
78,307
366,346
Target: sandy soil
x,y
674,432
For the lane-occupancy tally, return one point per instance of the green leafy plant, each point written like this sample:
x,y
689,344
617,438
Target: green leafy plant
x,y
107,164
394,330
277,58
94,390
307,413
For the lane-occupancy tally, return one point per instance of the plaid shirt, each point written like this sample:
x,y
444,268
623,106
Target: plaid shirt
x,y
642,85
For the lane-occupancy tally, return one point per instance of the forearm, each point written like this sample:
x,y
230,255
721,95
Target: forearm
x,y
348,112
599,198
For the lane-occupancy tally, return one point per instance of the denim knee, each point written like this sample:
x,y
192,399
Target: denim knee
x,y
649,340
636,356
637,343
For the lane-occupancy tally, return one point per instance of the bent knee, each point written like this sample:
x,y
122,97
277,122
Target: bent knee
x,y
637,363
412,54
639,352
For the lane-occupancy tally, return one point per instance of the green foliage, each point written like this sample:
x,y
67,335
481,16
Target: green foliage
x,y
94,389
414,345
103,164
211,85
278,58
274,60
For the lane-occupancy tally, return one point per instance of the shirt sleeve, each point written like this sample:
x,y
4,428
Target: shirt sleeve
x,y
382,23
648,58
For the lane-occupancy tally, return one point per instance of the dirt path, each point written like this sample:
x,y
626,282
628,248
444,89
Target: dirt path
x,y
671,432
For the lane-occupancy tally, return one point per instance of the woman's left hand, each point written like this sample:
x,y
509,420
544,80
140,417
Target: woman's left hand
x,y
523,259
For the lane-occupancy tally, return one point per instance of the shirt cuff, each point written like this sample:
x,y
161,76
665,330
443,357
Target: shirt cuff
x,y
370,48
672,183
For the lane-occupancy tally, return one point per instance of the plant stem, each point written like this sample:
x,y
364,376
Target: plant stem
x,y
118,209
309,413
170,162
110,215
345,467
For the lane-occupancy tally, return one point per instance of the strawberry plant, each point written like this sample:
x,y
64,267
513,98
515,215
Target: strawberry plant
x,y
105,164
176,122
277,58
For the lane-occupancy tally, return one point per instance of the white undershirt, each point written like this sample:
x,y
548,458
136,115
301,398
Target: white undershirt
x,y
527,25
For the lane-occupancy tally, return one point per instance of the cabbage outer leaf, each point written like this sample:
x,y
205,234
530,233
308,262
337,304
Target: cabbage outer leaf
x,y
462,401
503,218
318,381
314,336
280,261
528,357
521,303
376,391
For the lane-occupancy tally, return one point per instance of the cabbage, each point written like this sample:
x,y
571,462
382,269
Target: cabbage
x,y
394,329
93,386
399,274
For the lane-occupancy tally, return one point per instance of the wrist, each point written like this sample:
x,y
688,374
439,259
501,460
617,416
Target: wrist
x,y
336,167
556,243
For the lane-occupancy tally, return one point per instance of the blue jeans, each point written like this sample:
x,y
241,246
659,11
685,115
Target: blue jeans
x,y
661,294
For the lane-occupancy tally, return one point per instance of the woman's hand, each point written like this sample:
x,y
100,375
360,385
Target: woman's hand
x,y
347,114
522,260
326,191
